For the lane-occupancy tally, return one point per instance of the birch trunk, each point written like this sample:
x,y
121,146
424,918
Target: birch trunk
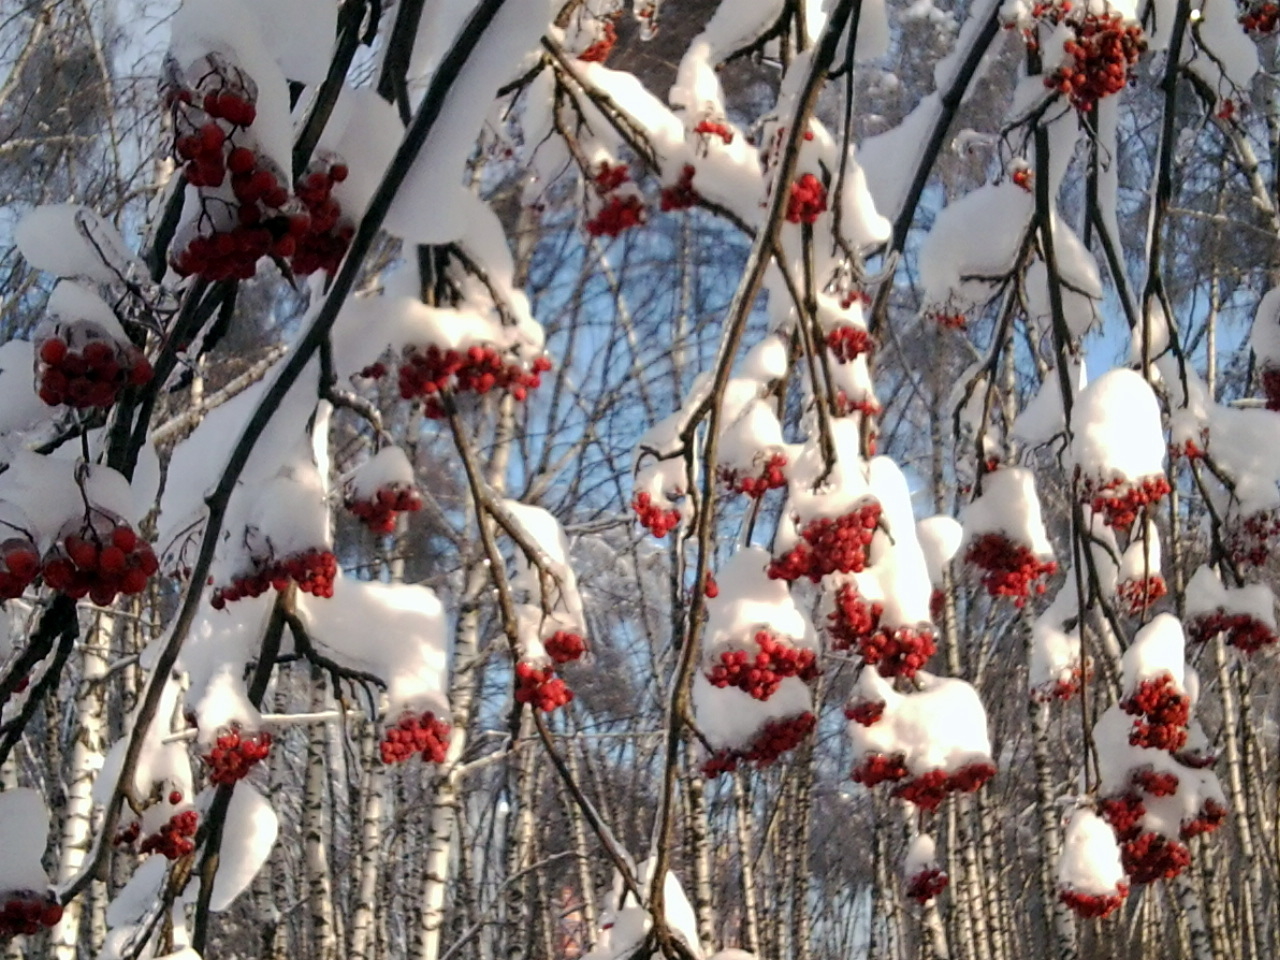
x,y
699,840
1062,924
367,871
324,939
743,821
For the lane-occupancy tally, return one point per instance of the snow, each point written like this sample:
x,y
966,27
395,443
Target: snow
x,y
69,240
428,207
364,131
389,467
948,253
24,830
896,557
1042,419
749,601
943,726
1112,447
1264,335
395,631
845,488
134,900
940,538
45,490
20,407
624,923
1009,506
71,302
543,530
247,838
218,647
922,854
730,718
1157,649
1223,54
1090,859
300,33
1206,594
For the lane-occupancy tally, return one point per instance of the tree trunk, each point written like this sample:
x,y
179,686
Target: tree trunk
x,y
324,938
370,856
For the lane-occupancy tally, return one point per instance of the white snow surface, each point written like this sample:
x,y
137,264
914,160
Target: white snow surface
x,y
896,557
364,131
1141,558
20,407
300,33
247,838
69,240
940,538
922,854
1009,506
1112,447
214,655
943,726
1158,648
24,830
624,923
543,530
1264,335
389,467
730,718
749,601
1090,860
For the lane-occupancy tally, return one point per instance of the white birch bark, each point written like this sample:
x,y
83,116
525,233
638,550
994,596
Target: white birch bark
x,y
367,870
324,940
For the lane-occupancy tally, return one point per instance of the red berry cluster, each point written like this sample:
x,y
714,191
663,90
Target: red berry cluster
x,y
1149,857
416,733
854,619
564,646
540,687
950,321
233,756
774,739
1155,784
1064,688
808,200
829,545
770,477
313,572
1248,541
1093,907
1023,177
711,588
1099,58
1208,819
652,517
174,838
761,675
866,405
379,513
427,372
1163,714
928,790
927,884
866,712
1010,569
599,51
100,559
127,835
619,211
714,128
680,195
937,604
324,242
847,342
1270,379
1124,812
91,377
1245,633
1261,18
877,768
900,652
1137,595
1189,449
1119,501
24,913
20,563
1052,12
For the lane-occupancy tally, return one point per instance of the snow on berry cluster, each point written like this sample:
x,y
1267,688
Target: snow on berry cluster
x,y
175,838
1120,501
1260,19
234,754
680,195
847,342
427,371
755,486
1091,876
382,488
600,48
1004,536
1100,53
925,876
653,517
312,570
19,565
773,740
1248,540
99,557
1140,584
619,204
84,367
25,913
416,733
830,544
932,742
1244,615
1163,712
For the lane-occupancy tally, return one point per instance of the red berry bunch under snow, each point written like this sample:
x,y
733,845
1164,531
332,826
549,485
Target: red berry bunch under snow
x,y
324,242
1009,569
928,790
901,652
878,768
19,566
761,674
99,559
540,687
416,733
598,52
680,195
379,512
313,571
1120,501
808,200
1209,818
846,342
1149,857
714,128
653,518
174,838
233,755
830,545
25,912
774,739
565,646
1261,19
1099,58
1094,906
1163,712
1249,540
854,620
479,369
620,208
1244,632
865,712
756,486
82,367
927,884
1138,595
1155,783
